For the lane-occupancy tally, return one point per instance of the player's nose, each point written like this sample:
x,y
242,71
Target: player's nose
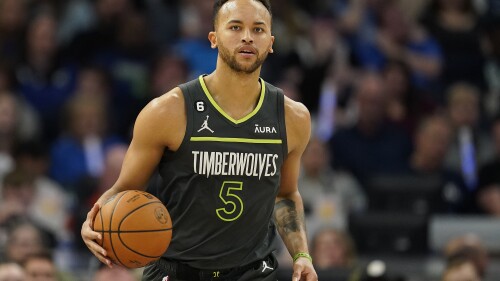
x,y
247,36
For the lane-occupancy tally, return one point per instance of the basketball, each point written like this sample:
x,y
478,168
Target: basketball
x,y
136,228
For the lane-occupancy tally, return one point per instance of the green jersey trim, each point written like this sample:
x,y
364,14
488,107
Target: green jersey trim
x,y
241,140
212,101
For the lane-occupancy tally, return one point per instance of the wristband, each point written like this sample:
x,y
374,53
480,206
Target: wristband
x,y
302,255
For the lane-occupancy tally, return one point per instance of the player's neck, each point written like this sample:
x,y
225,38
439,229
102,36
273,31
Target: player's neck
x,y
236,93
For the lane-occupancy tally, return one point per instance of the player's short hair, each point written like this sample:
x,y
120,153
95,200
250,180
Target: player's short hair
x,y
219,3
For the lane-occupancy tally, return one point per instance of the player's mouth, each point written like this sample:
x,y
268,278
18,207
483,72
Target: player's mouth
x,y
247,51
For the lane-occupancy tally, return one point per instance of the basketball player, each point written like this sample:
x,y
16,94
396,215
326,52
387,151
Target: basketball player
x,y
227,146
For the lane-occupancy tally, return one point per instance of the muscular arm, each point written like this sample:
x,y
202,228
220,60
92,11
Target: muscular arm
x,y
159,126
289,210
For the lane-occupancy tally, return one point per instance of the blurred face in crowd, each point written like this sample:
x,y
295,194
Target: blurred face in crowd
x,y
330,249
110,10
315,158
133,32
474,249
396,81
394,23
488,199
113,163
24,241
12,15
42,37
93,82
463,105
11,272
461,5
8,114
40,269
243,35
463,272
87,117
372,101
433,140
116,273
23,193
169,72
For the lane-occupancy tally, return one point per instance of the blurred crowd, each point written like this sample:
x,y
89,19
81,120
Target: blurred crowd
x,y
404,95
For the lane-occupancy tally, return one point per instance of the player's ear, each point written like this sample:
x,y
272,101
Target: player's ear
x,y
212,37
271,47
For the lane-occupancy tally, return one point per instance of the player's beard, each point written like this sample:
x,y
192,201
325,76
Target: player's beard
x,y
231,61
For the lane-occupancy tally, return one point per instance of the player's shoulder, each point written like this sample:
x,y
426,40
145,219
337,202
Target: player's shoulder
x,y
168,105
296,112
298,124
163,120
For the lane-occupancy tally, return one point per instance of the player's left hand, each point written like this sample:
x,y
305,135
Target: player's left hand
x,y
303,270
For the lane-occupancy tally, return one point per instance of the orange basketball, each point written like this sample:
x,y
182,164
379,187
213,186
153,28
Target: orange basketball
x,y
135,227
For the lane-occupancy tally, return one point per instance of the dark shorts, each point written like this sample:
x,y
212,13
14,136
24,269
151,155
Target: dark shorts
x,y
167,270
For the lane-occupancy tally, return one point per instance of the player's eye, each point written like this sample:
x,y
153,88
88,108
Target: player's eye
x,y
259,29
234,27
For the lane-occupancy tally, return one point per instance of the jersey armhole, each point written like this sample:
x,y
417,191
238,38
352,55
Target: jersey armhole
x,y
281,122
189,119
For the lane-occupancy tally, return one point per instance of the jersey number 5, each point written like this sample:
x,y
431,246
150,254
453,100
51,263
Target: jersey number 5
x,y
233,204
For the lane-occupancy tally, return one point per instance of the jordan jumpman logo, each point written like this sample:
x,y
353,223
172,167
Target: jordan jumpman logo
x,y
204,126
264,263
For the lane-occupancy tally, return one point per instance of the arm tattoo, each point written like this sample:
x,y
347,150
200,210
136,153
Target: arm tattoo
x,y
287,217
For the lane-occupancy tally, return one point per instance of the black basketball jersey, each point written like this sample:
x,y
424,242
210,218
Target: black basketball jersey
x,y
220,185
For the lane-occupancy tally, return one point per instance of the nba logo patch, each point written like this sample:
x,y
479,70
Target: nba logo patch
x,y
165,278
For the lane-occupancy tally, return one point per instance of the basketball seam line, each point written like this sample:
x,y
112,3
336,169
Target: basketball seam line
x,y
110,224
119,225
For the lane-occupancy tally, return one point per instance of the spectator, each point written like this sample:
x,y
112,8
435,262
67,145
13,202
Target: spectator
x,y
455,26
90,189
102,36
195,23
163,18
468,247
17,123
432,141
115,273
328,195
488,193
24,239
50,204
491,102
8,136
333,248
406,105
75,17
398,38
169,70
18,192
470,146
460,270
13,19
45,81
11,272
95,82
7,77
80,151
324,53
357,19
360,148
40,267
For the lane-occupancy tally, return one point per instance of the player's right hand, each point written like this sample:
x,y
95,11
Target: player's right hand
x,y
90,237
